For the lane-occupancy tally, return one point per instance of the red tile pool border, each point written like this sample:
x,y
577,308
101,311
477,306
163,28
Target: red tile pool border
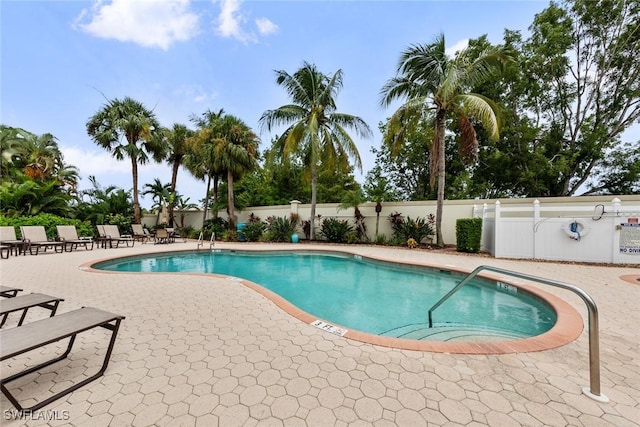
x,y
568,327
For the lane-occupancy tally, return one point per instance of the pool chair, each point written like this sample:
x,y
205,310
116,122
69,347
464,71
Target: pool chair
x,y
9,291
35,335
24,302
112,235
4,251
8,238
162,236
68,235
36,238
139,233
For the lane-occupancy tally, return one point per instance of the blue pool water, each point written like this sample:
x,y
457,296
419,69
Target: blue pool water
x,y
375,297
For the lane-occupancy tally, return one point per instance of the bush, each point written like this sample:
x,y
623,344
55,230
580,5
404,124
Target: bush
x,y
468,234
280,229
214,225
49,222
405,229
122,221
254,229
335,230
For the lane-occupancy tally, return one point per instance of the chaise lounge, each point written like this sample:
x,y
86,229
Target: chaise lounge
x,y
68,235
111,235
17,341
35,236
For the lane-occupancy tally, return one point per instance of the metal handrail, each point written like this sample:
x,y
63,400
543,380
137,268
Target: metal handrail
x,y
212,241
594,344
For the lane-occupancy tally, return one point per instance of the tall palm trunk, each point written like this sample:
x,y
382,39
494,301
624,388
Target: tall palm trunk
x,y
136,202
215,194
314,198
174,179
206,200
440,127
231,201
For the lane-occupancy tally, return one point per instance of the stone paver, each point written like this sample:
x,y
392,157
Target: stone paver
x,y
204,350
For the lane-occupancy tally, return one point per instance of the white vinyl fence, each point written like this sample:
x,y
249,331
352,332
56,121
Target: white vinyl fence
x,y
603,233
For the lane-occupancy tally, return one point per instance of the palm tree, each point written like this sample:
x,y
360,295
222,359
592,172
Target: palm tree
x,y
316,129
237,152
126,128
201,158
177,148
434,84
159,193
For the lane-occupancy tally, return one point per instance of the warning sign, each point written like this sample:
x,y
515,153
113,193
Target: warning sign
x,y
630,238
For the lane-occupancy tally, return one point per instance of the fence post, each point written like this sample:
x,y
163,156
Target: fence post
x,y
616,207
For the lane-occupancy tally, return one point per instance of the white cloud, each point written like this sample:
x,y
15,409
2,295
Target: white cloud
x,y
94,162
231,22
149,23
460,45
266,27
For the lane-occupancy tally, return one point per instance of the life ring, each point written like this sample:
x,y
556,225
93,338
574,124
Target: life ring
x,y
576,229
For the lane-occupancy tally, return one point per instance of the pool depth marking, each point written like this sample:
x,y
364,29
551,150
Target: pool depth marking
x,y
329,328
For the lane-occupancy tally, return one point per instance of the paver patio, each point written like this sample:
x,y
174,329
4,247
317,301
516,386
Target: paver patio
x,y
197,350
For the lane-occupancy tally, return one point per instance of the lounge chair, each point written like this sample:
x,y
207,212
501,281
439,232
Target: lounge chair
x,y
5,250
69,236
25,302
139,233
34,335
8,238
112,235
162,236
36,237
9,291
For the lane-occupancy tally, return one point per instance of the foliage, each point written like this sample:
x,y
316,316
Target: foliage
x,y
336,230
468,234
412,244
280,229
353,199
33,175
407,228
229,236
317,132
437,87
130,121
97,203
122,221
214,225
49,222
254,228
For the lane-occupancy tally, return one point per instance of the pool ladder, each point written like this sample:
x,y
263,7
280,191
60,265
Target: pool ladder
x,y
212,241
594,344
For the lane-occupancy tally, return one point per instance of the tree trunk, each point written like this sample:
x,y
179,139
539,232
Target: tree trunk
x,y
314,194
231,202
215,194
174,179
440,125
136,202
206,200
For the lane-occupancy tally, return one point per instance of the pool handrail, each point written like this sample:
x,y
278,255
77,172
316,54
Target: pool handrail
x,y
212,241
594,343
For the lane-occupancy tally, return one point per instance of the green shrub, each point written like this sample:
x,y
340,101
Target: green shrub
x,y
336,230
49,222
405,229
214,225
122,221
253,230
280,229
468,234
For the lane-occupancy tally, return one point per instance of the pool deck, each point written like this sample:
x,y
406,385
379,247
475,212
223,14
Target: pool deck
x,y
198,350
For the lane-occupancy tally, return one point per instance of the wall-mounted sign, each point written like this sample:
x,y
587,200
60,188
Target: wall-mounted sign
x,y
630,237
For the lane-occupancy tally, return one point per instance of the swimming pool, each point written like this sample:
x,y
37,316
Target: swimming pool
x,y
384,299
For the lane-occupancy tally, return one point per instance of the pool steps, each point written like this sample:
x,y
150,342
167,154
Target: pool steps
x,y
452,333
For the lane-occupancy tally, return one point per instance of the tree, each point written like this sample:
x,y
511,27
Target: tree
x,y
581,62
160,193
201,159
177,148
377,189
433,84
236,151
316,129
126,128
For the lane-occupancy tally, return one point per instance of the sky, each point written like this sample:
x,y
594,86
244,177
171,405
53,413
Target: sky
x,y
61,61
